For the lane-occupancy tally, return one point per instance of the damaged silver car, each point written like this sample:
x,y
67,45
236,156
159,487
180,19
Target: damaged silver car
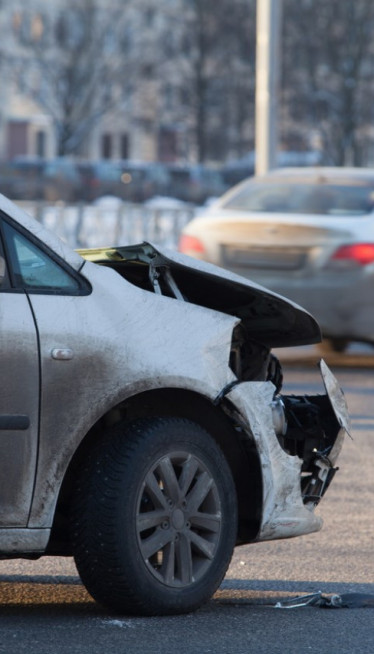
x,y
143,426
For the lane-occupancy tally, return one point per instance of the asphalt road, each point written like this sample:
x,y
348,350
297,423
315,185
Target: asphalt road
x,y
44,608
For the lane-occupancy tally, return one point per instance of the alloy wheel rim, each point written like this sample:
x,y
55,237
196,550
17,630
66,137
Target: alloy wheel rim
x,y
178,519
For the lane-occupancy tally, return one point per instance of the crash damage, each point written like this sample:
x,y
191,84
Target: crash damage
x,y
297,438
145,428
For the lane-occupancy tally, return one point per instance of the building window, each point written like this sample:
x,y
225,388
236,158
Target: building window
x,y
17,138
40,143
124,146
167,144
106,146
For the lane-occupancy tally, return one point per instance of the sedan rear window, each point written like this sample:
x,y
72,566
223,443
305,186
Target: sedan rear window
x,y
333,199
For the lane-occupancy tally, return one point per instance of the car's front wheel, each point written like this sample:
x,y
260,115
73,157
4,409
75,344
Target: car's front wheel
x,y
154,519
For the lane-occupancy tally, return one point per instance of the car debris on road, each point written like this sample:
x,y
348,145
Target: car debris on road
x,y
345,601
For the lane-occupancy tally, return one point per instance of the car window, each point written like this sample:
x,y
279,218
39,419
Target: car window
x,y
333,199
33,268
2,270
4,279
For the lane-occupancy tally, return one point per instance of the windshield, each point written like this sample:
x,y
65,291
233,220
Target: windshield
x,y
329,198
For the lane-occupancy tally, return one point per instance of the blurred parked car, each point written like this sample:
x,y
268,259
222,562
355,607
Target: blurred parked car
x,y
307,234
22,178
143,180
34,178
99,178
61,180
195,183
143,426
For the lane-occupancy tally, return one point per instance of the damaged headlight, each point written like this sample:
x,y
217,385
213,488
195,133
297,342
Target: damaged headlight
x,y
306,427
279,416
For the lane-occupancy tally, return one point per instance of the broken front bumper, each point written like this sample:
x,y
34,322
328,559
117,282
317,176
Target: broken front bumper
x,y
298,454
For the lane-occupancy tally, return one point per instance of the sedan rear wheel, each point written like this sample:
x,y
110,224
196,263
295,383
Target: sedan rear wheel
x,y
154,522
338,345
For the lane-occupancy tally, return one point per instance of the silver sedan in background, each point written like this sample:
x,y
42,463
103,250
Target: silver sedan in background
x,y
307,234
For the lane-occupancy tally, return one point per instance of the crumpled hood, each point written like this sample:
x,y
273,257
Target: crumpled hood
x,y
269,318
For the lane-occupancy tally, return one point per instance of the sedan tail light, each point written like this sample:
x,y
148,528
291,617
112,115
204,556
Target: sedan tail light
x,y
190,245
359,253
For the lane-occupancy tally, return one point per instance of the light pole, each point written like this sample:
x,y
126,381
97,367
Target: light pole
x,y
267,81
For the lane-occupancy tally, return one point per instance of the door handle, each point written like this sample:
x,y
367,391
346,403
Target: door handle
x,y
16,422
62,353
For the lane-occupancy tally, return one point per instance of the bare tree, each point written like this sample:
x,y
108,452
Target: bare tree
x,y
328,83
214,64
80,61
71,66
84,58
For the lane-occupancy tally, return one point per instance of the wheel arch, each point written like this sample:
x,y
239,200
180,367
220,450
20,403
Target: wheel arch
x,y
240,452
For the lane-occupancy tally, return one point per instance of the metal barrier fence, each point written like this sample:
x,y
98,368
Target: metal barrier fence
x,y
89,226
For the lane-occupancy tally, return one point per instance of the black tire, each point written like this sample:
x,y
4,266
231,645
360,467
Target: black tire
x,y
154,520
338,345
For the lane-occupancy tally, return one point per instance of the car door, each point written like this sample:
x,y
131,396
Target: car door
x,y
47,366
19,401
